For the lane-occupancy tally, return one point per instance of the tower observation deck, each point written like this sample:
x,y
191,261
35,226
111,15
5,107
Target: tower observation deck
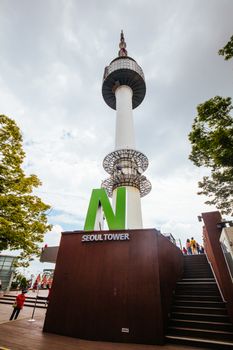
x,y
124,89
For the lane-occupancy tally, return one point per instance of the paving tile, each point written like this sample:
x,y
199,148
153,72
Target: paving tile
x,y
24,335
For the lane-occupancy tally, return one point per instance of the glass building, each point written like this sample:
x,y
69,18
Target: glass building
x,y
7,269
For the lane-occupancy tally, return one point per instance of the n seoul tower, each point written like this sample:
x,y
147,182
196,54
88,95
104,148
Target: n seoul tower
x,y
124,89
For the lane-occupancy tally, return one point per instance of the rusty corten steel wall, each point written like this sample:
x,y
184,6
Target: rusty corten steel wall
x,y
215,255
101,287
171,264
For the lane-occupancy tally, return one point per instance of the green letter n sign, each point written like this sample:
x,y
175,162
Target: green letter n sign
x,y
99,197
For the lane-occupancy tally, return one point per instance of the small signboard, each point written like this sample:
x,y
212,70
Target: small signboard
x,y
125,330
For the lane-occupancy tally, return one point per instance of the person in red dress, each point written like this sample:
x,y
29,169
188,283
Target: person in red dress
x,y
20,299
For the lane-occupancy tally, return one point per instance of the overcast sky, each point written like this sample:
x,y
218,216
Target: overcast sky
x,y
53,54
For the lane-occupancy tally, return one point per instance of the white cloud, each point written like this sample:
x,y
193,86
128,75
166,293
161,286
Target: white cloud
x,y
53,237
52,60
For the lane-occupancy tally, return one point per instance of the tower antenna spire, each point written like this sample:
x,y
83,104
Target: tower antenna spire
x,y
122,45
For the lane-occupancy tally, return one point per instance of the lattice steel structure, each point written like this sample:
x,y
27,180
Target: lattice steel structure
x,y
125,167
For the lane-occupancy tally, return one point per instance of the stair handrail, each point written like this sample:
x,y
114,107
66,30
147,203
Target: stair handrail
x,y
215,277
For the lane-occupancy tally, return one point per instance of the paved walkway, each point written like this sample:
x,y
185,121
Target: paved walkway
x,y
24,335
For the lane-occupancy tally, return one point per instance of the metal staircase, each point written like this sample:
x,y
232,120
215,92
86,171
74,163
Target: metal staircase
x,y
199,316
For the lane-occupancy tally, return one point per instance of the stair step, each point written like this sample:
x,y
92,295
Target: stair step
x,y
196,291
196,282
196,263
39,301
200,342
200,316
197,309
202,333
222,326
191,259
198,297
198,279
203,264
199,272
41,306
194,275
190,287
27,297
196,256
198,267
203,303
197,286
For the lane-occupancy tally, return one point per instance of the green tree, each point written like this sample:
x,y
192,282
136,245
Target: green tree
x,y
227,50
212,146
23,220
19,281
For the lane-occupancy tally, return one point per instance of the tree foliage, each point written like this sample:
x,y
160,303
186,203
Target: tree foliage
x,y
212,146
23,220
227,50
19,281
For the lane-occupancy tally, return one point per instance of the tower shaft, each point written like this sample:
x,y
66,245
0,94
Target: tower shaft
x,y
125,139
124,118
133,207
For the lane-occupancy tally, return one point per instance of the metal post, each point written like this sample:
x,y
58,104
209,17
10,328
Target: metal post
x,y
34,307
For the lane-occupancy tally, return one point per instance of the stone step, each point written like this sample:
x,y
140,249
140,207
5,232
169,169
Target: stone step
x,y
200,316
28,300
27,297
201,333
200,310
199,342
38,305
195,303
221,326
198,297
197,291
